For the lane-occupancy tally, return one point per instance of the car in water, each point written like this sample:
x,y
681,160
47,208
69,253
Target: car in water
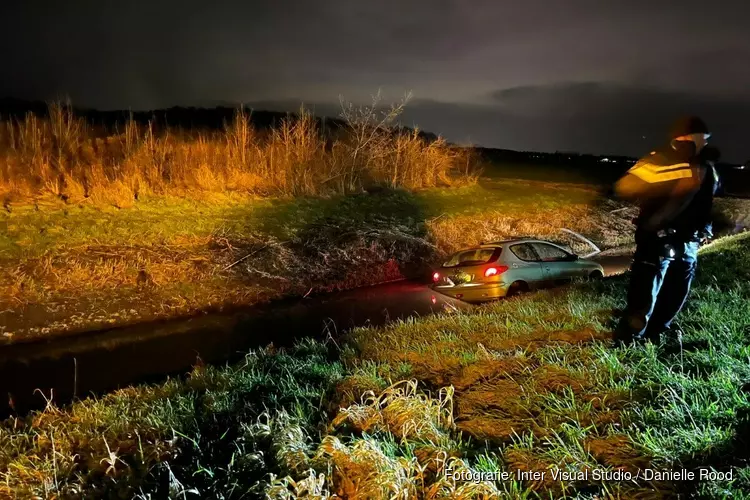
x,y
507,268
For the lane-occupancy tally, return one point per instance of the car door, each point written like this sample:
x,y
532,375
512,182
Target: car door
x,y
525,266
556,263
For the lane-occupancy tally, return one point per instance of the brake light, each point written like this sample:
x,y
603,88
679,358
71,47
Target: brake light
x,y
495,271
436,277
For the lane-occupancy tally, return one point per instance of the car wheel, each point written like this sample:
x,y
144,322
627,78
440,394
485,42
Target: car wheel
x,y
517,288
596,275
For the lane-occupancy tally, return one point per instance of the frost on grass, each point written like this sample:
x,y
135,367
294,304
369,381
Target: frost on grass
x,y
395,445
403,411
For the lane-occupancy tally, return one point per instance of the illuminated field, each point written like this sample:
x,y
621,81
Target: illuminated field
x,y
81,267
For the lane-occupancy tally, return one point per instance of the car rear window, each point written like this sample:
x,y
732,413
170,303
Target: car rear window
x,y
473,257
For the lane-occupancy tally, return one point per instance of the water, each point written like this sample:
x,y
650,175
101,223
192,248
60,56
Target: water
x,y
74,367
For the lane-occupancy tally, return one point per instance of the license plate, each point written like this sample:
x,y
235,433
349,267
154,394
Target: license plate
x,y
461,277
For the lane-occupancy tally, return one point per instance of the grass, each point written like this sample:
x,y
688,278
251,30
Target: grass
x,y
602,174
68,268
535,385
527,384
29,232
218,430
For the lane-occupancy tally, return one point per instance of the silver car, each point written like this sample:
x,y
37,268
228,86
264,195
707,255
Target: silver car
x,y
506,268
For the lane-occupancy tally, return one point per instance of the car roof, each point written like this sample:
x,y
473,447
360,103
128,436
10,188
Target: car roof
x,y
514,241
495,244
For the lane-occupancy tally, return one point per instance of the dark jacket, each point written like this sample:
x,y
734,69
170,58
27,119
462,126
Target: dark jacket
x,y
674,188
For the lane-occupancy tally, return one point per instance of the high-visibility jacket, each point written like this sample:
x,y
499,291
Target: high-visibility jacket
x,y
674,189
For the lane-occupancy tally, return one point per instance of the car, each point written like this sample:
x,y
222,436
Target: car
x,y
507,268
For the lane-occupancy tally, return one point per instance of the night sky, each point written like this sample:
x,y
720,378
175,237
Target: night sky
x,y
599,76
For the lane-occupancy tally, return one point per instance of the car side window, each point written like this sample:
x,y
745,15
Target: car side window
x,y
549,253
524,252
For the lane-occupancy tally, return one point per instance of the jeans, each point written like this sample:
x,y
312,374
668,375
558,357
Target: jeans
x,y
662,272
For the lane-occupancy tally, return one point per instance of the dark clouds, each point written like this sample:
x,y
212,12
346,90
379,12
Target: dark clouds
x,y
501,72
603,118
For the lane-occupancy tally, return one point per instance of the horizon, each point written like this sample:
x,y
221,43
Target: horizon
x,y
27,104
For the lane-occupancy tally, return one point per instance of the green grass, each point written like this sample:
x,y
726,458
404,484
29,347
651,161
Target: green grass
x,y
524,384
642,407
28,232
219,430
602,174
500,195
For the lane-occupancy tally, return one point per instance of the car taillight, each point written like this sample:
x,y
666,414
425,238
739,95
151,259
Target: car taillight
x,y
436,277
494,271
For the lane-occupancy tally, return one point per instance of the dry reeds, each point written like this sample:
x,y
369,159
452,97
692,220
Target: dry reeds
x,y
63,156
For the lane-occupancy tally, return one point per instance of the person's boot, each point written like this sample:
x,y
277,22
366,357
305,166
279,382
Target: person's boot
x,y
622,338
619,341
653,338
672,339
669,340
623,334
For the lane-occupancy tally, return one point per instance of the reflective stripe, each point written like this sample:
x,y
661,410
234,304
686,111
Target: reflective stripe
x,y
653,166
652,173
672,167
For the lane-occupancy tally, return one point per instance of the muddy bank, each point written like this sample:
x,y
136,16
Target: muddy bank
x,y
77,366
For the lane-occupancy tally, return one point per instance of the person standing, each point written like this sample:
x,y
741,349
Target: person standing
x,y
674,188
